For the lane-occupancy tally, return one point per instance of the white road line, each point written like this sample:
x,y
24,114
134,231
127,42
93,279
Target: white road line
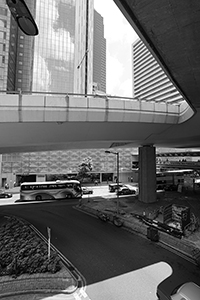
x,y
84,294
76,296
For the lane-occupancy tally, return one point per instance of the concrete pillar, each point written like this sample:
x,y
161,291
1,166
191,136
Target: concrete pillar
x,y
147,174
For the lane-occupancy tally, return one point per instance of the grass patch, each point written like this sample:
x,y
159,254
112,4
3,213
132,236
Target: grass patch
x,y
23,252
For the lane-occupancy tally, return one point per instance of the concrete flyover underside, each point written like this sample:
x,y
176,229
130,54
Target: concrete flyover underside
x,y
40,123
170,29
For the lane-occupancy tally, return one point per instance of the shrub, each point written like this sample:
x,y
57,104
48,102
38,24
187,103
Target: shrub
x,y
22,251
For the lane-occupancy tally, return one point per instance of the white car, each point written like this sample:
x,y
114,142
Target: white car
x,y
133,188
186,291
87,190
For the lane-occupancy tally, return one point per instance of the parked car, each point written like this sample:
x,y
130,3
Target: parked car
x,y
124,190
87,190
186,291
5,195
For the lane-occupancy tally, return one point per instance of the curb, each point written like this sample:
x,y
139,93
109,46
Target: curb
x,y
35,292
73,272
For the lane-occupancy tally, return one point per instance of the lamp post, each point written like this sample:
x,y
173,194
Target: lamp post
x,y
22,16
117,155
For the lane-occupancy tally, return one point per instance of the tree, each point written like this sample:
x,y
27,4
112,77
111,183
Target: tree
x,y
84,168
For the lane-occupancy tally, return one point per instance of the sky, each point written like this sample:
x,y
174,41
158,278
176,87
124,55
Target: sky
x,y
119,37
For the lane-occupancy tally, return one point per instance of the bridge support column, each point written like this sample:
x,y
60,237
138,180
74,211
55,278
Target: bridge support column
x,y
147,174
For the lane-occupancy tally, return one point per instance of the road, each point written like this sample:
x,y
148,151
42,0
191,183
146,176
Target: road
x,y
116,264
97,191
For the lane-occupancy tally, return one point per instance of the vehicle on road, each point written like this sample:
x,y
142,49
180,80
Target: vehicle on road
x,y
124,190
114,218
113,187
169,180
186,291
87,190
49,190
5,195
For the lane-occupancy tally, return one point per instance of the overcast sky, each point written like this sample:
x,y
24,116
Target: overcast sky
x,y
119,36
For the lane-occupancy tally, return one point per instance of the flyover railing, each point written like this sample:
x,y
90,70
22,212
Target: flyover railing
x,y
25,106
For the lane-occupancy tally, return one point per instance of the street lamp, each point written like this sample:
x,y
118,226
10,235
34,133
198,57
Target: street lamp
x,y
117,155
22,16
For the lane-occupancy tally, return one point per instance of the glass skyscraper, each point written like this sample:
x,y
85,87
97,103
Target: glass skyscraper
x,y
53,50
49,61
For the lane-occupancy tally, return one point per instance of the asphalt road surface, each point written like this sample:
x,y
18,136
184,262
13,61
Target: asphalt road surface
x,y
116,264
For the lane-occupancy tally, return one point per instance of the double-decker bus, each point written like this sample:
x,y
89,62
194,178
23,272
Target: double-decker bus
x,y
172,178
49,190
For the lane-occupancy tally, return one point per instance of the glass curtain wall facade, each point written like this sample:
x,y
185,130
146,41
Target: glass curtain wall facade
x,y
53,54
61,45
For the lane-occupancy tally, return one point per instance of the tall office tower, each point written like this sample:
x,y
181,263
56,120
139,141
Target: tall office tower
x,y
16,52
4,44
149,80
49,62
65,33
99,54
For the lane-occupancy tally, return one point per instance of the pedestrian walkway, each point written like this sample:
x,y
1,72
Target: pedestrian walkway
x,y
188,246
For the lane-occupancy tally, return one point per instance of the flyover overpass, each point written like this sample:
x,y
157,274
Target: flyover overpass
x,y
170,30
39,122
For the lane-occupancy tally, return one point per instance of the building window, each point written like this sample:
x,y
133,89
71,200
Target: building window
x,y
1,73
2,35
3,11
2,23
2,47
2,59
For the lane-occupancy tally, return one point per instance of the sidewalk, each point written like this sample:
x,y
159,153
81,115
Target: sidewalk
x,y
188,245
14,190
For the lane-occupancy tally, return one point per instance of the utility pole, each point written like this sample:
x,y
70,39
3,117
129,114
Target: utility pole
x,y
86,46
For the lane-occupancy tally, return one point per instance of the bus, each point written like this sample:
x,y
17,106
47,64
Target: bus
x,y
170,180
49,190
